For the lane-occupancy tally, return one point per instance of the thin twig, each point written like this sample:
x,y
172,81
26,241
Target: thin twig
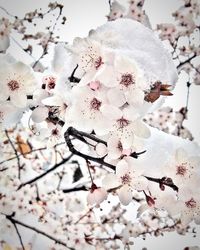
x,y
32,151
20,46
70,131
17,231
72,78
186,61
45,48
16,153
8,13
45,173
14,221
110,5
70,190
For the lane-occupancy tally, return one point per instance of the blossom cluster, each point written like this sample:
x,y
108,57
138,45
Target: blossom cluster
x,y
169,121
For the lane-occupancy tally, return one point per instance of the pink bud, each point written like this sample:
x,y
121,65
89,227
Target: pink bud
x,y
150,201
94,85
126,151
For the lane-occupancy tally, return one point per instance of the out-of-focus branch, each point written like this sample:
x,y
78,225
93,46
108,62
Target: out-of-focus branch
x,y
14,221
16,153
18,233
45,173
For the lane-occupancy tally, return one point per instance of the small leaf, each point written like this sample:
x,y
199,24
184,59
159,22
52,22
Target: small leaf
x,y
23,147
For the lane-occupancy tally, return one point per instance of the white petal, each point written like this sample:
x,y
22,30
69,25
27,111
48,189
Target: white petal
x,y
194,163
21,68
53,101
110,181
131,113
87,78
116,97
124,64
139,183
100,195
121,168
19,99
127,139
4,94
110,112
186,218
113,148
114,154
39,114
181,155
106,76
101,149
90,198
135,97
125,195
141,129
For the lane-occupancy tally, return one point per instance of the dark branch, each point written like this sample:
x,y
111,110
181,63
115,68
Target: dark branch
x,y
16,154
72,78
71,132
165,181
14,221
45,173
26,153
17,231
70,190
186,61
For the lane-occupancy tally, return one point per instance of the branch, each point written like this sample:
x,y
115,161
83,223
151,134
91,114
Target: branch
x,y
72,78
26,153
8,13
14,221
45,48
80,136
16,153
45,173
69,190
165,181
186,61
110,5
71,131
17,231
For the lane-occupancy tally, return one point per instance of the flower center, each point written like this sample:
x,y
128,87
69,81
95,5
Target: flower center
x,y
191,203
127,79
119,146
95,104
55,132
125,179
50,81
13,85
122,122
181,170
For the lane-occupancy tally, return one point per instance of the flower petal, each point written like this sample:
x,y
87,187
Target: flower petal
x,y
110,181
141,129
19,99
125,195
